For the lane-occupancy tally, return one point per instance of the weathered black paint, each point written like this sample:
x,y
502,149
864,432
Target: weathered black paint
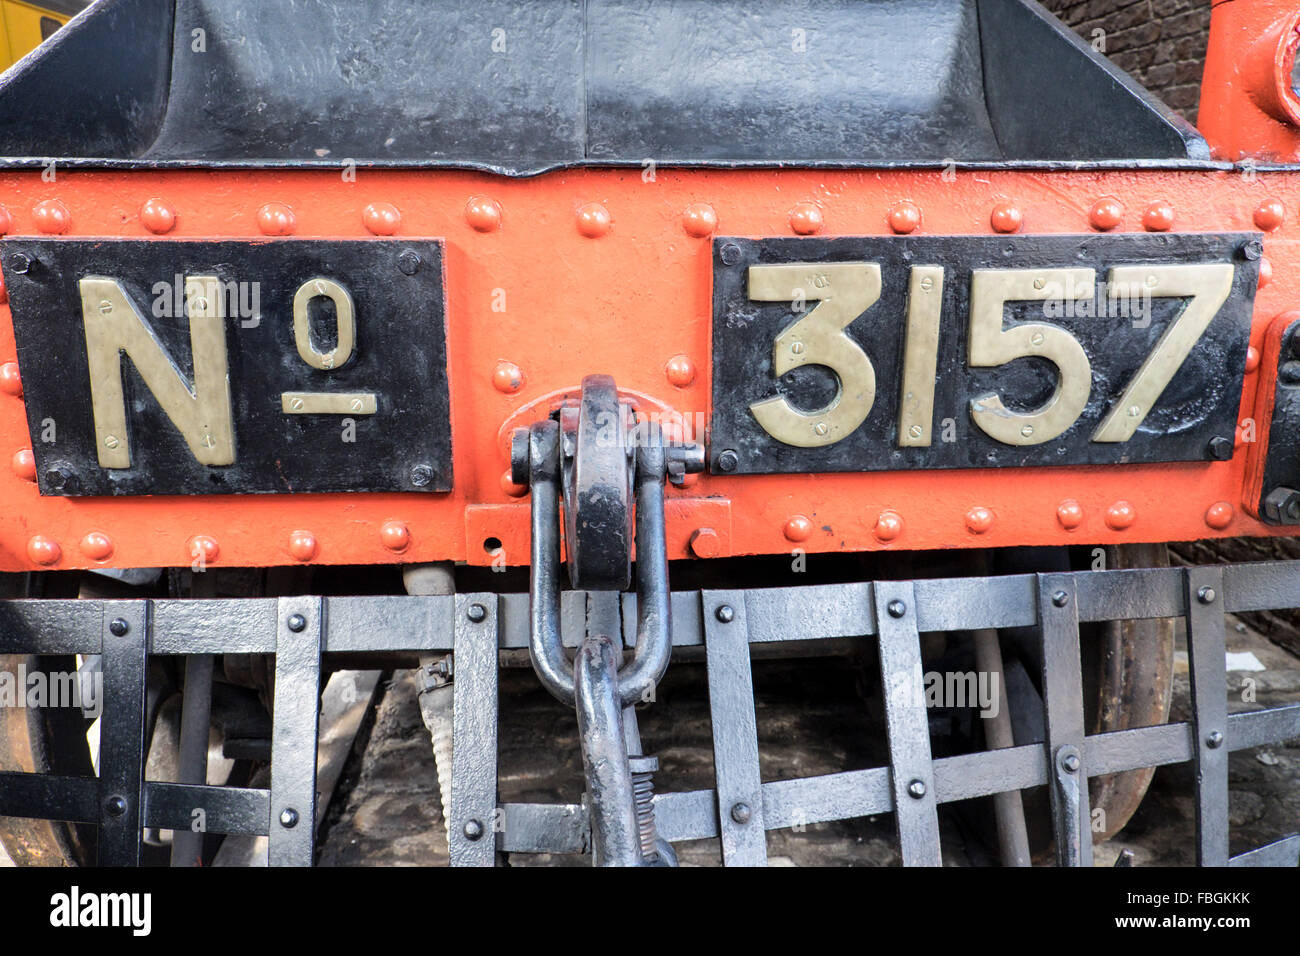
x,y
400,355
1199,405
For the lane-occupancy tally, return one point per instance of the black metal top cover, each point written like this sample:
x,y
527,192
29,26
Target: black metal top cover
x,y
523,86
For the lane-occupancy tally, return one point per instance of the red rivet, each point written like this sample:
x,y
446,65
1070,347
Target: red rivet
x,y
51,216
97,546
510,488
1252,358
1159,217
705,543
1106,214
904,217
1219,515
979,520
24,464
43,550
798,528
205,547
483,214
1069,513
1269,214
275,219
507,377
302,545
381,218
1265,272
680,371
1006,217
4,293
888,526
394,535
157,216
699,220
1120,515
593,220
806,218
6,221
10,381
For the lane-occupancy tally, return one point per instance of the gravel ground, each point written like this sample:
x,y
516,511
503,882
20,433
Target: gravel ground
x,y
811,720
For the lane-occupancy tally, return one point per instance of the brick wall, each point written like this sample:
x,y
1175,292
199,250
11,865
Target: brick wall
x,y
1161,43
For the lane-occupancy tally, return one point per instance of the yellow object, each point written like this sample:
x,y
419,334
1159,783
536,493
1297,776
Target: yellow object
x,y
23,25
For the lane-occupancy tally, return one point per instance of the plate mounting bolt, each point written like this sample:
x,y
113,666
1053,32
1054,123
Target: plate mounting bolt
x,y
728,460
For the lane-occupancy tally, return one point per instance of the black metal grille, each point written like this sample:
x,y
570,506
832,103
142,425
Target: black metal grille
x,y
894,613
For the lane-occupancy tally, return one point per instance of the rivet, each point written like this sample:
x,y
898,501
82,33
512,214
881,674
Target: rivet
x,y
1060,598
477,613
97,546
1206,595
51,216
204,546
1214,740
798,528
1006,217
904,217
1106,214
806,218
1120,515
821,428
507,377
1158,217
728,460
275,219
705,543
394,535
473,830
1071,763
741,813
1252,359
593,220
115,805
896,608
483,214
725,613
288,818
302,545
11,381
1265,272
24,464
157,216
408,262
889,525
916,789
1027,430
296,623
699,220
1219,515
1269,214
680,371
118,627
43,550
510,488
382,218
979,520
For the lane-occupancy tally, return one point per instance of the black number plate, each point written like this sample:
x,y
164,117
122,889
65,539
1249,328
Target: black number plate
x,y
193,367
887,353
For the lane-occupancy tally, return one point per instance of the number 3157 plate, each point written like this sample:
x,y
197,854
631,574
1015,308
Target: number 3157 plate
x,y
884,353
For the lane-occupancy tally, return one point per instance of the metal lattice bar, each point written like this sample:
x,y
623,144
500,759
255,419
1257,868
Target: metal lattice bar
x,y
294,731
1206,653
735,730
124,637
472,809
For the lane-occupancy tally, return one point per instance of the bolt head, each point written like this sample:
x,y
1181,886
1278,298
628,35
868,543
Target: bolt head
x,y
296,623
730,254
288,818
741,813
476,613
408,262
1214,740
421,475
1206,595
20,263
725,613
896,608
728,460
1071,763
473,830
1060,598
916,789
115,805
118,627
1220,449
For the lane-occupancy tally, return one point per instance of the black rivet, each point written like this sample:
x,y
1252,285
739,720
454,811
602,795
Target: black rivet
x,y
896,608
725,613
409,262
476,613
741,813
473,830
728,460
118,627
1206,595
115,805
1070,762
730,254
1060,598
916,789
288,818
296,622
1214,740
